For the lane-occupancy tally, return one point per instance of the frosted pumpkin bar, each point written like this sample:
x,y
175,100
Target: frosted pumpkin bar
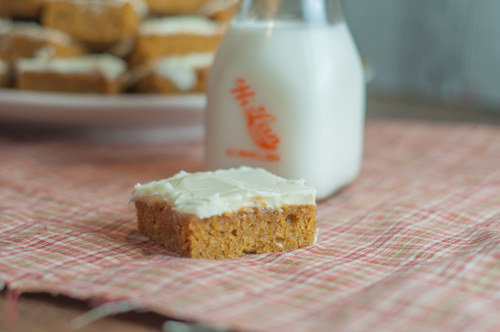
x,y
25,39
177,74
96,73
227,213
178,35
95,21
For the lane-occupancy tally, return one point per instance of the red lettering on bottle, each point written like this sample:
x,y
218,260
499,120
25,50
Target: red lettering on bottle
x,y
258,119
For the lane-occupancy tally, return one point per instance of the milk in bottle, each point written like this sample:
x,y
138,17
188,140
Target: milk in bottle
x,y
287,93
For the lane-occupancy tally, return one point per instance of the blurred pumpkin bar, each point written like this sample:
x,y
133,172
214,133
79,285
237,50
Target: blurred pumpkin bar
x,y
219,10
179,35
174,7
21,8
95,22
227,213
4,74
26,39
177,74
96,73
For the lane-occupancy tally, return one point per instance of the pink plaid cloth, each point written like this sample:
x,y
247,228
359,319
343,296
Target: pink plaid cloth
x,y
413,245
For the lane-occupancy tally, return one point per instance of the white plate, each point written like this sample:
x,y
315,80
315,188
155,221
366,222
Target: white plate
x,y
122,111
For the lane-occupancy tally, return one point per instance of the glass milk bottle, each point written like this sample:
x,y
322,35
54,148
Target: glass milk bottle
x,y
287,93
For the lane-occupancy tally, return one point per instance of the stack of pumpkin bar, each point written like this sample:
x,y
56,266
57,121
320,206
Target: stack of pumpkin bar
x,y
110,46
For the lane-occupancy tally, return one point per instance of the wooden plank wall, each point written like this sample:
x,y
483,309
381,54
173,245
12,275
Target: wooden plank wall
x,y
439,50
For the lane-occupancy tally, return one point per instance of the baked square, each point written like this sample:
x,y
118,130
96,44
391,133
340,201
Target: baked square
x,y
178,35
26,39
97,73
176,74
227,213
96,22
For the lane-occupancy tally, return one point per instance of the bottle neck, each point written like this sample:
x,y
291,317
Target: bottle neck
x,y
319,12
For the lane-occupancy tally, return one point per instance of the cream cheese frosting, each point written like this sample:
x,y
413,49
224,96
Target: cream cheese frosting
x,y
181,25
140,6
5,26
207,194
181,69
109,66
38,32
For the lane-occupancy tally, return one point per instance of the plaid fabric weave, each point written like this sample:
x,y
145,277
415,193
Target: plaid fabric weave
x,y
413,245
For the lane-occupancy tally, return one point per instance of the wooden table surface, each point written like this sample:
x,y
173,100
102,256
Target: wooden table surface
x,y
44,312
